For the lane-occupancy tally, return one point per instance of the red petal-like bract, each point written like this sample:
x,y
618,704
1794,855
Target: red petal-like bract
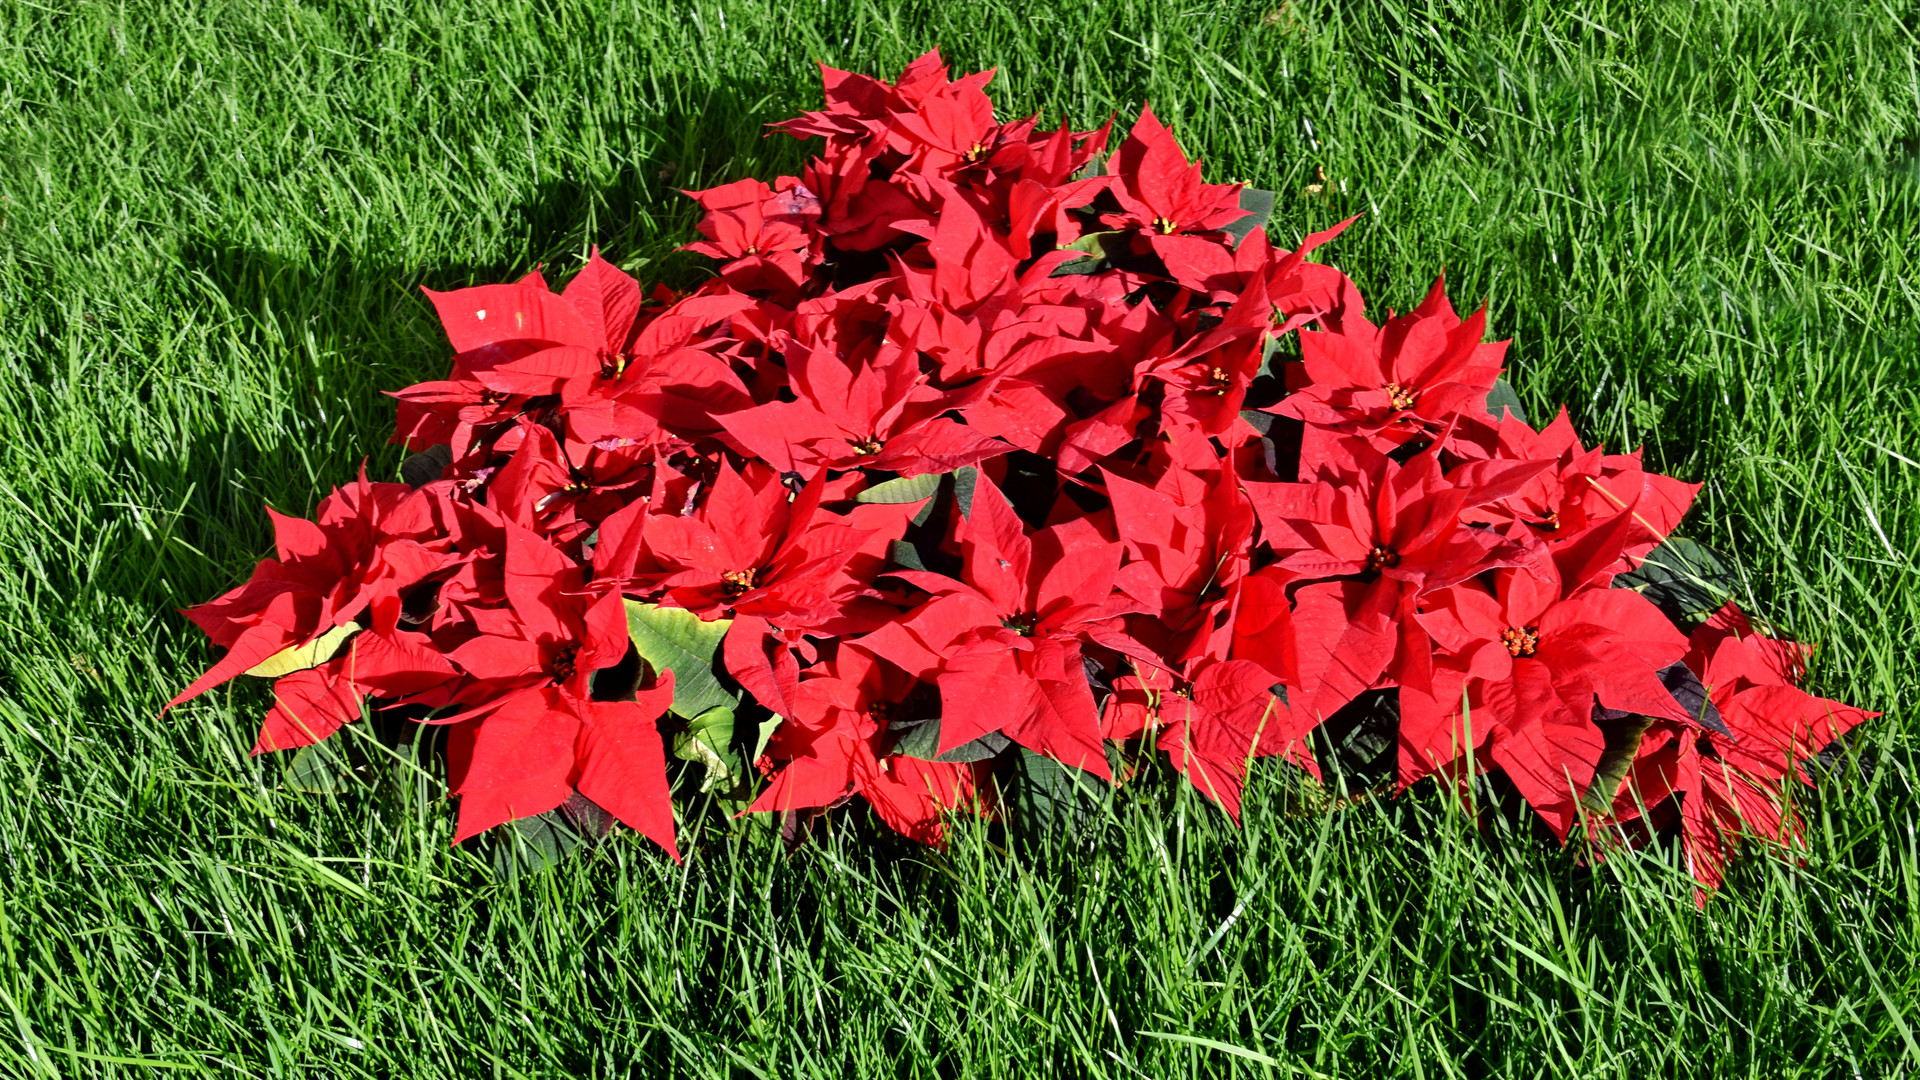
x,y
1724,787
980,427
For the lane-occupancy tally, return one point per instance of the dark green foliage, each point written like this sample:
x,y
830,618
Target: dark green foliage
x,y
1504,399
1259,206
1687,579
1046,800
674,639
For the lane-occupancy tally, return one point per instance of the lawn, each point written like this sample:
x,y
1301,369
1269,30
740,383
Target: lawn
x,y
1697,221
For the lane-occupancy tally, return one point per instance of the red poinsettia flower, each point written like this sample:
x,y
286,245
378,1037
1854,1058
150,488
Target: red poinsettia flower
x,y
1393,533
1159,190
867,146
368,542
947,127
533,752
875,417
540,489
1402,381
1730,787
1400,522
617,369
1185,559
965,262
831,749
1585,490
755,548
382,660
1516,672
856,106
779,569
860,107
1205,382
760,233
455,411
1211,728
532,733
553,634
1004,645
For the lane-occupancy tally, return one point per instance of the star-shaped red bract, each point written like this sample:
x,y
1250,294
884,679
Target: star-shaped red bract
x,y
1730,787
1005,642
1517,670
835,747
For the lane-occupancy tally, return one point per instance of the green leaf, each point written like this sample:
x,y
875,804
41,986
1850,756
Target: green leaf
x,y
1213,1044
301,657
1622,742
1503,396
964,481
767,728
532,845
917,738
1095,243
919,547
1687,580
921,739
588,818
906,489
1098,252
708,741
1260,206
676,640
1093,168
990,745
904,555
1045,796
1356,745
321,768
425,467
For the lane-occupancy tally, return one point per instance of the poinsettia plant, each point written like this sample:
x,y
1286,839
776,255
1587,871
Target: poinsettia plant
x,y
978,465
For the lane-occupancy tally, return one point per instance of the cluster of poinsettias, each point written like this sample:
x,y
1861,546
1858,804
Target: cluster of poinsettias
x,y
983,443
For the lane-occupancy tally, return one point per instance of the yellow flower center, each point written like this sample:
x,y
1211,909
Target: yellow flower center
x,y
735,584
1521,640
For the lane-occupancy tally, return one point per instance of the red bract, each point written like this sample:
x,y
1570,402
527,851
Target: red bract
x,y
1584,490
878,417
754,548
454,411
1185,560
780,570
1517,670
532,732
539,488
967,412
1393,533
552,633
1731,786
1402,522
1005,644
1211,728
760,232
1160,192
1407,379
835,747
369,542
618,370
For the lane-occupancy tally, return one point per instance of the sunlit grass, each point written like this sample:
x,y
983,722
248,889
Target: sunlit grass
x,y
1697,221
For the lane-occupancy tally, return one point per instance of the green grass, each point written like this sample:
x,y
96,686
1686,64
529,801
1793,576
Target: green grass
x,y
1697,221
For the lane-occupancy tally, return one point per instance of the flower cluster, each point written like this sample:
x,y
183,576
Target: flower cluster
x,y
984,442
